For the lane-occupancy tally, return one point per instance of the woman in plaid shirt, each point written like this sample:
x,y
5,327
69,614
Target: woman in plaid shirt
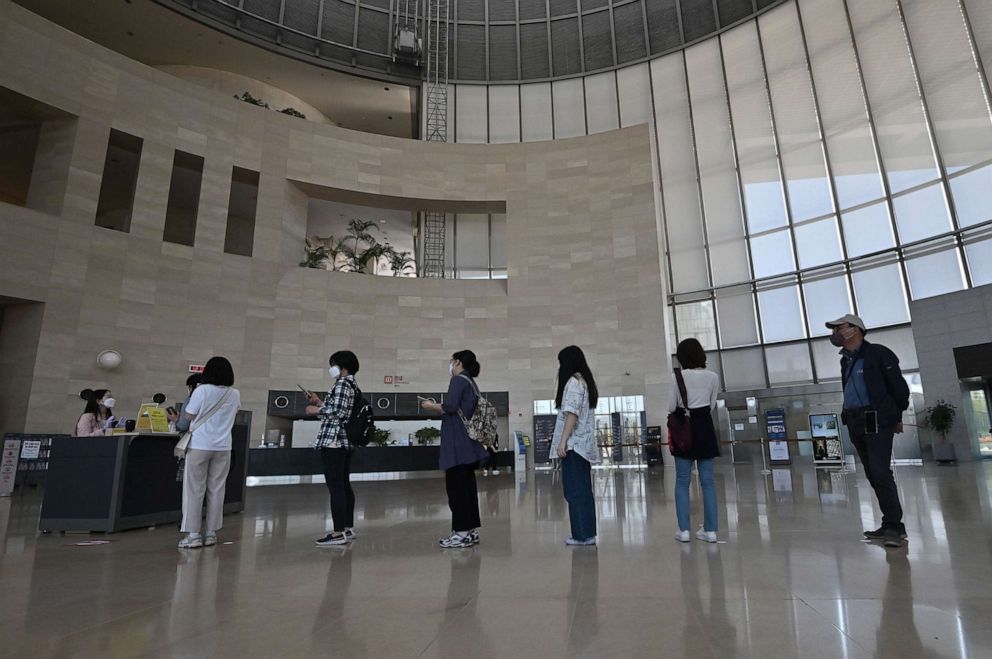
x,y
332,441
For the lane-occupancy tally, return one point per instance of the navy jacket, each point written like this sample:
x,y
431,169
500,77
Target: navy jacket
x,y
887,389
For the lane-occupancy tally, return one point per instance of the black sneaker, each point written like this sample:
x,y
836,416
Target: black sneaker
x,y
332,539
894,538
879,534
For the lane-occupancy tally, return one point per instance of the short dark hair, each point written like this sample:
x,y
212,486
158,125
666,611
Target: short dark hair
x,y
690,354
345,359
194,380
218,371
469,362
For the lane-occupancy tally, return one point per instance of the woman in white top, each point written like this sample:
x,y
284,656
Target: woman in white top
x,y
211,409
574,442
702,387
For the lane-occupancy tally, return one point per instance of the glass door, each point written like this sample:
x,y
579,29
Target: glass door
x,y
977,414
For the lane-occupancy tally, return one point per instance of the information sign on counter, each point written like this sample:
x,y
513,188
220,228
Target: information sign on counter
x,y
8,466
778,448
31,449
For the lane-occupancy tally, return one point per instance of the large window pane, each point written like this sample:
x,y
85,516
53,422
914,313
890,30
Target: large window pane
x,y
497,242
634,85
763,195
471,245
504,113
896,106
738,325
602,111
921,214
743,369
842,109
471,111
951,82
972,198
781,314
721,194
900,341
772,254
980,16
826,299
818,243
680,192
826,358
696,320
881,296
569,108
795,114
868,230
535,112
935,273
979,256
788,364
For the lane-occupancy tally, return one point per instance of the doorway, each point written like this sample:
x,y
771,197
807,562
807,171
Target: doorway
x,y
978,413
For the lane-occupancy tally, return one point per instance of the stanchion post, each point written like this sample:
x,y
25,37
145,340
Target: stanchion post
x,y
764,463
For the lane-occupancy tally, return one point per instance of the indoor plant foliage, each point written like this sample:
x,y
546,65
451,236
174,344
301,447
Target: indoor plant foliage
x,y
940,418
315,254
381,437
248,98
427,435
360,251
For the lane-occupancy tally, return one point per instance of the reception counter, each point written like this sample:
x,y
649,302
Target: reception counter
x,y
370,459
124,482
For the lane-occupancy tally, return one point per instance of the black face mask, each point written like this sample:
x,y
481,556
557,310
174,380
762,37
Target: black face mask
x,y
837,339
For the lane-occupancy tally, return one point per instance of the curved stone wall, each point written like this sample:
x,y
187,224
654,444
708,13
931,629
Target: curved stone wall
x,y
582,242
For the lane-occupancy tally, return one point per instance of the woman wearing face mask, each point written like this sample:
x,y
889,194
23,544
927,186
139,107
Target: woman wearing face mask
x,y
335,449
175,414
97,415
460,455
574,441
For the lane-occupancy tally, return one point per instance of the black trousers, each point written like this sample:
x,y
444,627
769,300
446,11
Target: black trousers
x,y
337,475
463,497
875,452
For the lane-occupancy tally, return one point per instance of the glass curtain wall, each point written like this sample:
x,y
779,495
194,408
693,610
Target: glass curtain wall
x,y
826,156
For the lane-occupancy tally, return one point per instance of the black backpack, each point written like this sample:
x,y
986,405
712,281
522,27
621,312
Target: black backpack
x,y
360,427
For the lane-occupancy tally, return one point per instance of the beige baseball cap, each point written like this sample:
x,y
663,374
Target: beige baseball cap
x,y
848,319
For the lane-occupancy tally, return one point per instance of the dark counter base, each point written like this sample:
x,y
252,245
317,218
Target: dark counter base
x,y
371,459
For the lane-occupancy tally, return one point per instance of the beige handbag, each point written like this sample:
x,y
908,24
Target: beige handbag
x,y
183,445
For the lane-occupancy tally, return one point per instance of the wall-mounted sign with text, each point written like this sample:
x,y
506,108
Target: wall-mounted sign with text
x,y
393,379
196,368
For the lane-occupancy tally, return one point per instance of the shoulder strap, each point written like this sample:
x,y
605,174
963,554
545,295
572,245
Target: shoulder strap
x,y
682,392
475,387
203,418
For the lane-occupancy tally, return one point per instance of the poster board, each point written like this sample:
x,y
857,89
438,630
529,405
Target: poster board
x,y
825,433
544,430
778,448
8,465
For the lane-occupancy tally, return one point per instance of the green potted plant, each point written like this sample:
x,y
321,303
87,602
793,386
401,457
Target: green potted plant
x,y
940,419
381,437
315,254
427,435
400,262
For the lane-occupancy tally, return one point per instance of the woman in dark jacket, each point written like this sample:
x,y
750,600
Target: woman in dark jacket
x,y
460,455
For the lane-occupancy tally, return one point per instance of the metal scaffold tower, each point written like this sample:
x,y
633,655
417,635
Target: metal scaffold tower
x,y
437,124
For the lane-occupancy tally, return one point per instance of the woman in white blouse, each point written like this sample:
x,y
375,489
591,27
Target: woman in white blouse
x,y
702,387
574,442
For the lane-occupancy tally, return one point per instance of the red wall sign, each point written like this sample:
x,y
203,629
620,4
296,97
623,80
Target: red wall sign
x,y
196,368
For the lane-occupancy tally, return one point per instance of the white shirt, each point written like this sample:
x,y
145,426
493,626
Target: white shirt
x,y
575,399
702,387
215,434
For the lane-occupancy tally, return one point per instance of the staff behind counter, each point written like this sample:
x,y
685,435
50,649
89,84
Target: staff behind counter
x,y
98,415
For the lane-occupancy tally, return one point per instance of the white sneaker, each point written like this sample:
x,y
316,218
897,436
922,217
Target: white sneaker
x,y
191,541
682,536
350,534
210,540
588,542
705,536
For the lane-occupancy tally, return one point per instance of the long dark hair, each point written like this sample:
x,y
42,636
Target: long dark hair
x,y
469,362
92,398
572,360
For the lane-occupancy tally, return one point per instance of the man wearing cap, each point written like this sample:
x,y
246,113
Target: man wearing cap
x,y
875,396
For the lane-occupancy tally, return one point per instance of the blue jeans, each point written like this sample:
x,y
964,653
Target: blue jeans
x,y
683,479
576,479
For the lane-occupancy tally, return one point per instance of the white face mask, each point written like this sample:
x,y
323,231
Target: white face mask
x,y
335,372
451,368
109,403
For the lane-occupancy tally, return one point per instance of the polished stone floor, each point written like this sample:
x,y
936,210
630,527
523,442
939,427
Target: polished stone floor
x,y
792,579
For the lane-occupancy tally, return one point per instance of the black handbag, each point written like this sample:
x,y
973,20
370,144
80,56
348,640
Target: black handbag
x,y
679,428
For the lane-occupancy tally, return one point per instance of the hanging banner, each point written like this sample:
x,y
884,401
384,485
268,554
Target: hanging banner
x,y
778,448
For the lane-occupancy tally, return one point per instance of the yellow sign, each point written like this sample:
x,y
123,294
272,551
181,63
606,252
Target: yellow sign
x,y
159,419
144,423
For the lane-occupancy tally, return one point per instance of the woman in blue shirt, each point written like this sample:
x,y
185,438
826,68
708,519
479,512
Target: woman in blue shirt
x,y
460,455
